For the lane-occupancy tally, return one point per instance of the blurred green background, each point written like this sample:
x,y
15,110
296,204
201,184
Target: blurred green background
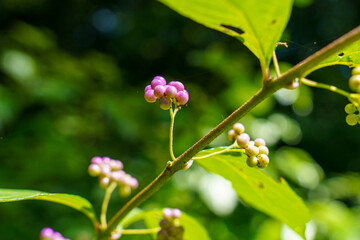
x,y
72,75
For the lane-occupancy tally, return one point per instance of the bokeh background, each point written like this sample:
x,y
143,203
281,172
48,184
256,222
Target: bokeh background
x,y
72,75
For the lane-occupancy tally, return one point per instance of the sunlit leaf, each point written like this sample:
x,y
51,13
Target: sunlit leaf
x,y
258,189
192,228
73,201
258,24
349,56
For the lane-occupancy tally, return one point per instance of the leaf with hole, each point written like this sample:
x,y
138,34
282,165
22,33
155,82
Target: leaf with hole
x,y
257,189
73,201
349,56
258,24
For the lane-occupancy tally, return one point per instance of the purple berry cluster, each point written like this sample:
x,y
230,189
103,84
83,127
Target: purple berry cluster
x,y
108,171
49,234
256,150
170,226
173,92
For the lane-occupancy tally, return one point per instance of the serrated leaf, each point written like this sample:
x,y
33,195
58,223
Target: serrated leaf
x,y
349,56
192,228
76,202
258,24
258,189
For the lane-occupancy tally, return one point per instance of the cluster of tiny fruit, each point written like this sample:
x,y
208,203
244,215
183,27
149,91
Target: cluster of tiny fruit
x,y
170,226
173,92
108,171
49,234
353,116
256,150
352,110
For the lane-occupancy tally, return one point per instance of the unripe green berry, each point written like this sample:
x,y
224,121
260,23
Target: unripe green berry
x,y
238,128
354,83
231,135
259,142
350,108
352,119
165,103
263,160
124,190
251,143
263,150
355,71
252,150
252,161
243,140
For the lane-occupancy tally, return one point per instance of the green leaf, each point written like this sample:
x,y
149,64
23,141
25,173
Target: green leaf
x,y
192,228
258,24
258,189
349,56
73,201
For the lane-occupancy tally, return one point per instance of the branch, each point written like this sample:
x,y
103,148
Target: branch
x,y
270,88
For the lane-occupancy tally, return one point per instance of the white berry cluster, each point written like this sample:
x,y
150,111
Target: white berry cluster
x,y
256,150
170,226
108,171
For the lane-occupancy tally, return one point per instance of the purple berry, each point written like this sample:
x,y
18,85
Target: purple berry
x,y
57,236
158,80
46,233
170,91
116,165
148,87
97,160
117,176
176,213
105,169
133,183
165,103
107,160
182,97
159,91
94,170
150,96
178,85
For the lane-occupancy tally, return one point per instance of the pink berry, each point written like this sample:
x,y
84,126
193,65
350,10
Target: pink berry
x,y
170,91
260,142
178,85
117,176
182,97
159,91
116,165
104,182
150,96
106,160
46,233
242,140
97,160
176,213
133,183
158,80
165,103
148,87
105,169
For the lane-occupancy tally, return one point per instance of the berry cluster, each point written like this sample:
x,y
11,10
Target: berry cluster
x,y
49,234
353,116
173,92
108,171
170,226
256,150
354,81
